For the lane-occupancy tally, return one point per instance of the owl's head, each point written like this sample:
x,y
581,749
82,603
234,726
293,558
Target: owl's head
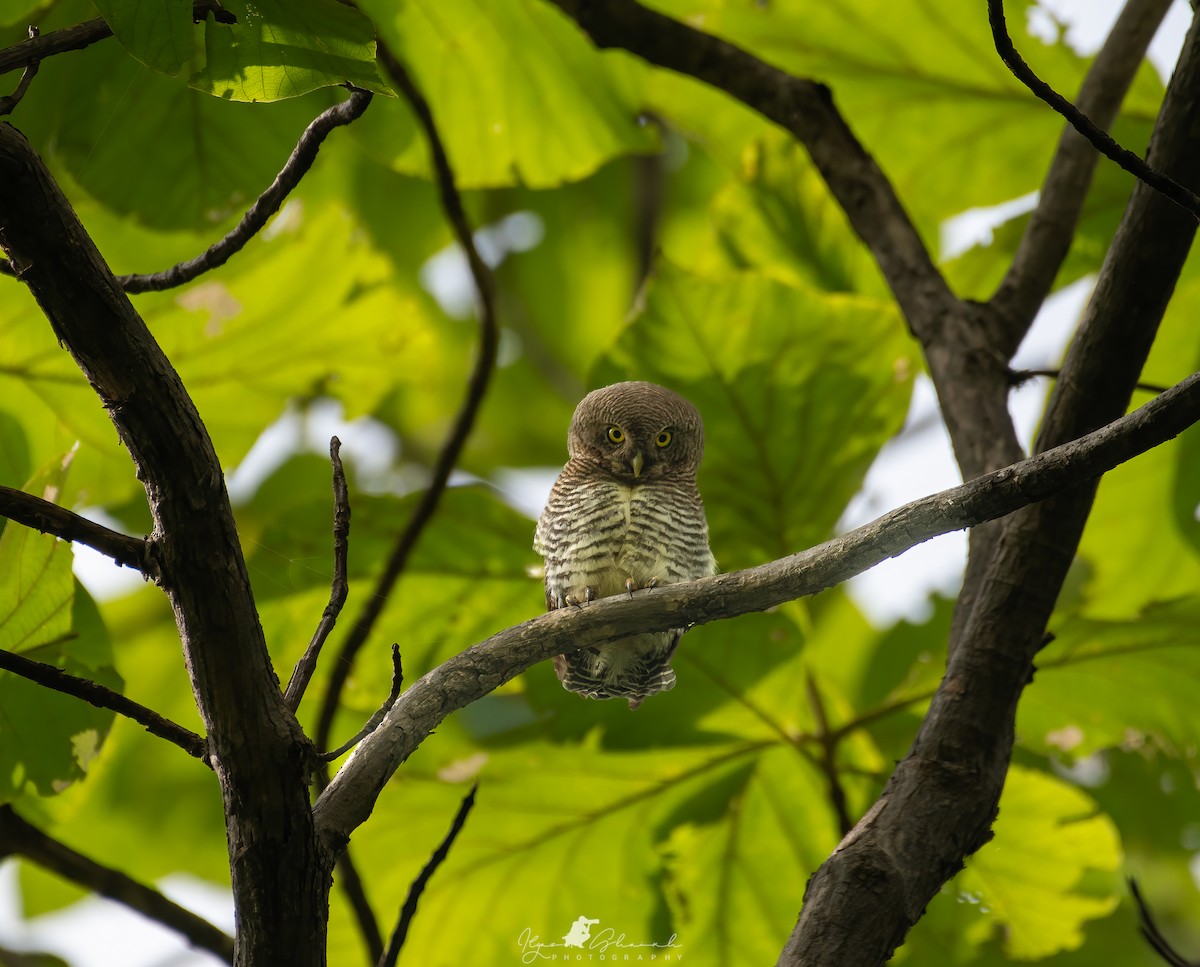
x,y
637,432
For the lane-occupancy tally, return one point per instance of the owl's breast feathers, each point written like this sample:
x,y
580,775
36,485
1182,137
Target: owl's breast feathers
x,y
597,534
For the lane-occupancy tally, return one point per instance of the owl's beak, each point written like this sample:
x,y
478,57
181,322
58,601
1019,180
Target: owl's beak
x,y
636,464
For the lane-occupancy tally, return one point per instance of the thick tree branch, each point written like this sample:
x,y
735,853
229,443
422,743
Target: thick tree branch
x,y
339,586
264,782
485,363
96,694
49,518
19,838
1051,228
940,802
266,205
1184,197
483,667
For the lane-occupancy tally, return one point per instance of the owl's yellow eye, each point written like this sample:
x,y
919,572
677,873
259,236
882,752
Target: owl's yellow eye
x,y
663,438
616,434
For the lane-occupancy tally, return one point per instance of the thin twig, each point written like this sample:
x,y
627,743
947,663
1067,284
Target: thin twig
x,y
19,838
1103,143
375,719
1053,222
828,764
1149,930
267,204
408,911
7,104
485,363
1019,376
339,587
49,518
97,695
351,883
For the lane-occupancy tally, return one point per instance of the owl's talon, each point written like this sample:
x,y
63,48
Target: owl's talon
x,y
589,595
630,586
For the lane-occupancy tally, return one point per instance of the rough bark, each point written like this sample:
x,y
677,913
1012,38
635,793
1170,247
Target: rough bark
x,y
940,803
261,757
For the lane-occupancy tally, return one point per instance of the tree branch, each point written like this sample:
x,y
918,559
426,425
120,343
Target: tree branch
x,y
409,910
19,838
378,715
941,800
485,363
1051,228
49,518
339,587
96,694
485,666
1149,930
201,566
266,205
9,102
1146,173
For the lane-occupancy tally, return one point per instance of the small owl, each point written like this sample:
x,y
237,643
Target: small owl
x,y
624,515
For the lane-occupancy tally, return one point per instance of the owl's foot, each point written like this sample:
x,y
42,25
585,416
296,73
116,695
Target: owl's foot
x,y
631,585
588,596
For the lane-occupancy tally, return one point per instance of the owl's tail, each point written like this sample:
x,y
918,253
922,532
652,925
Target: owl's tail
x,y
620,670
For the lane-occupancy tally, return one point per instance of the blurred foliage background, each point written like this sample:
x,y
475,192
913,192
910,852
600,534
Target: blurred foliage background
x,y
641,226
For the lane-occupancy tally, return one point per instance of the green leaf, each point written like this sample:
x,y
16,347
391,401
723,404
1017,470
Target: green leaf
x,y
14,451
803,386
493,74
1029,878
735,886
200,160
285,48
1102,684
47,738
157,32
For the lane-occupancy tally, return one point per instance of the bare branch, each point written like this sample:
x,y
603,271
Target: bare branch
x,y
1149,930
1160,182
485,666
1019,377
378,715
267,204
1051,228
19,838
828,763
9,103
485,363
340,585
101,697
202,569
409,910
49,518
351,884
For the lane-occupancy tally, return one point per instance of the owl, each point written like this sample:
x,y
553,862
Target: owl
x,y
623,515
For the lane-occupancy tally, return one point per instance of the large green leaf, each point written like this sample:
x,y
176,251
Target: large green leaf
x,y
156,32
1105,683
285,48
802,386
1029,878
47,739
149,146
493,73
